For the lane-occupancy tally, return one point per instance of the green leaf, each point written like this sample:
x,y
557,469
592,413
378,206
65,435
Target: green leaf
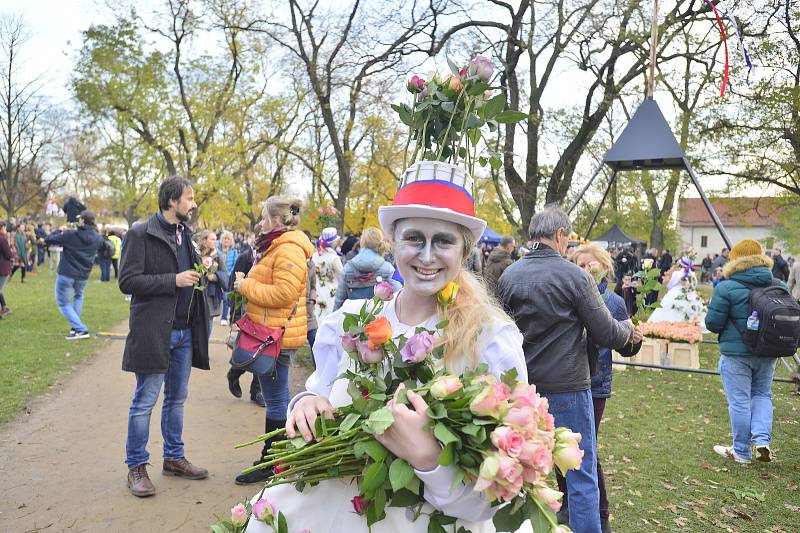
x,y
494,106
404,498
374,476
348,422
444,435
298,442
474,136
216,528
446,457
380,420
437,411
443,324
470,429
495,163
372,448
405,114
282,526
510,117
508,519
448,107
477,88
510,377
400,474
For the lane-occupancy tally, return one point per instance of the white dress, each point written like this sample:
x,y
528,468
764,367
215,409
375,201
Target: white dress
x,y
328,269
681,303
326,508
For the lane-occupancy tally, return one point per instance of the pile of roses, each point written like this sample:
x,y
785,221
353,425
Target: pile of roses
x,y
673,331
495,433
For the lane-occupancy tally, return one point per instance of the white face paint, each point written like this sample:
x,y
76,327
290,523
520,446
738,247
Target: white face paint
x,y
428,253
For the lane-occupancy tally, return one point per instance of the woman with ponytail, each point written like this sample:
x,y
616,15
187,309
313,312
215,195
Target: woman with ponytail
x,y
275,290
430,245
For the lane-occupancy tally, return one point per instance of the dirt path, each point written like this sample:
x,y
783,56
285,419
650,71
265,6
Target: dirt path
x,y
63,465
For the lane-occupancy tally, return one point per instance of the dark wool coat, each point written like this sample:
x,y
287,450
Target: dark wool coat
x,y
147,271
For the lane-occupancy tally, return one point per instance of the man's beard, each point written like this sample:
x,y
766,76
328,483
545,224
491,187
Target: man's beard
x,y
183,217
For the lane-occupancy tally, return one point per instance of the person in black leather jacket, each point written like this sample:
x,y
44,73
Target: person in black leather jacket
x,y
554,303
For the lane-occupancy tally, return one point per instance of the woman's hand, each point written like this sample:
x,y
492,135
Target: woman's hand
x,y
237,285
304,415
407,437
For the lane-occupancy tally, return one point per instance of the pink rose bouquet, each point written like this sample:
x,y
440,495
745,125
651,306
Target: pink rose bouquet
x,y
673,331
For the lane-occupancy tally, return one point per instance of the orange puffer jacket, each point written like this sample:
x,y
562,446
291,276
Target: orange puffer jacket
x,y
277,284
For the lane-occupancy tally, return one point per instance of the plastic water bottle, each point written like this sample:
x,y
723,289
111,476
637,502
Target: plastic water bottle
x,y
752,322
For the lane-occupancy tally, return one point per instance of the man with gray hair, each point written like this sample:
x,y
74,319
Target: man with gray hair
x,y
555,303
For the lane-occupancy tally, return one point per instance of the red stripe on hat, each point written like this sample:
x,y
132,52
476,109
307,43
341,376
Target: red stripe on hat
x,y
436,194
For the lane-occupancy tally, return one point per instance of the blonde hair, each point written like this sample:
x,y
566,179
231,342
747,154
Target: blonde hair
x,y
228,234
373,239
288,209
599,253
473,309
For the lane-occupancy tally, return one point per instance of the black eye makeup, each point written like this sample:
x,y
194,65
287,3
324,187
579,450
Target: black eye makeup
x,y
418,238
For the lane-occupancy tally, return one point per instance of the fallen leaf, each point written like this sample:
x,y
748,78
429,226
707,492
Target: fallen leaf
x,y
795,508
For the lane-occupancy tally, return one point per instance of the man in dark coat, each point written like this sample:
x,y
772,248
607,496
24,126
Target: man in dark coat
x,y
168,330
554,303
80,249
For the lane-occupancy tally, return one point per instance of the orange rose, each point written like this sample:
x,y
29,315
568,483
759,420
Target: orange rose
x,y
378,332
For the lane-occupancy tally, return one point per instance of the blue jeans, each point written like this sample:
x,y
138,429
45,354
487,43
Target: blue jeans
x,y
105,269
176,389
275,387
226,305
69,298
576,411
748,388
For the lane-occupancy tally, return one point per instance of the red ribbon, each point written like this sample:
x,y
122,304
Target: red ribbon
x,y
725,42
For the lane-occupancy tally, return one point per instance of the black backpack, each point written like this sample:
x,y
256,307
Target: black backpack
x,y
778,333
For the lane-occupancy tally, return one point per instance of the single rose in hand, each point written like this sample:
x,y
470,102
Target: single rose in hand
x,y
378,332
207,262
417,348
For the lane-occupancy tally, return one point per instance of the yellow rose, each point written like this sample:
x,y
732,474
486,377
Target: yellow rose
x,y
448,294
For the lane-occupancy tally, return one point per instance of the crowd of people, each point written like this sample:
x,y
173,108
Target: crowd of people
x,y
540,308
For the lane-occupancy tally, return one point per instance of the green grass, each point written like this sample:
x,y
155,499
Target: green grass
x,y
33,351
661,472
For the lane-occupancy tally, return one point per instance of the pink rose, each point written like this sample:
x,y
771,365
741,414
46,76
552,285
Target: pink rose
x,y
525,396
549,496
369,355
522,418
444,386
383,290
530,475
486,378
491,401
508,440
567,456
566,435
238,514
416,84
509,471
360,504
417,348
482,67
264,510
207,262
349,343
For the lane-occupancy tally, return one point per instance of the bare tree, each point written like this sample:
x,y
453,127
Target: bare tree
x,y
26,127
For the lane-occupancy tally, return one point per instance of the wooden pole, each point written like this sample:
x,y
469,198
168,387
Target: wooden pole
x,y
651,83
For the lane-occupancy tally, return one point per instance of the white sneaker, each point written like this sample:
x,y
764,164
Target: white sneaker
x,y
223,322
764,454
727,451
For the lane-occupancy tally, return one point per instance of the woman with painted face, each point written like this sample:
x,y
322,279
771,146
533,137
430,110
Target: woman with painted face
x,y
430,245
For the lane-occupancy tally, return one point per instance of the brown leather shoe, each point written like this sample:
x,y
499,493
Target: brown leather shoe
x,y
183,468
139,482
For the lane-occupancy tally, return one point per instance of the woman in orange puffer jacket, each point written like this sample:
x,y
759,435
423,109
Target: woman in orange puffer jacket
x,y
275,289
